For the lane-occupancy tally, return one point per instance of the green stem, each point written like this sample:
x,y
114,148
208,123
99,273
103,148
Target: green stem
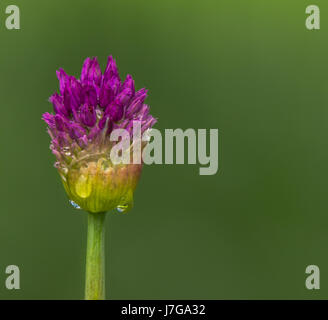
x,y
95,263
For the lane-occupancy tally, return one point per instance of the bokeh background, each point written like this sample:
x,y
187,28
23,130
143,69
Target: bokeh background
x,y
249,68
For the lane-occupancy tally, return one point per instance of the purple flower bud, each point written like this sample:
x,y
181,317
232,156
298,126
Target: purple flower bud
x,y
88,115
76,131
121,125
49,119
148,123
129,127
115,111
63,80
58,104
114,84
129,83
85,71
76,116
62,140
95,73
143,113
91,72
94,132
86,111
68,101
75,90
103,120
136,103
60,123
106,121
89,95
124,97
105,95
141,93
111,69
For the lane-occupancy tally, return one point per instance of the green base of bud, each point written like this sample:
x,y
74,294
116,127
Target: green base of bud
x,y
99,186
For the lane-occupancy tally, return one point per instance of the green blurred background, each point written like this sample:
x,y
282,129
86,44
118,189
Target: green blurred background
x,y
249,68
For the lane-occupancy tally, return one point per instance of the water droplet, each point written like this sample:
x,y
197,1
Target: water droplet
x,y
99,113
83,187
75,205
122,208
66,151
61,168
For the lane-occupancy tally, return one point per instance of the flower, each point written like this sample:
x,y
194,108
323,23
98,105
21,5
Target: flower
x,y
86,111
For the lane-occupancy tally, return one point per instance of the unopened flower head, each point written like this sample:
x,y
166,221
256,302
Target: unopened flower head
x,y
86,111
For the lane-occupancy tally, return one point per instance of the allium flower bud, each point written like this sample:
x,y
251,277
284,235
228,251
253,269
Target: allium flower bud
x,y
86,111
